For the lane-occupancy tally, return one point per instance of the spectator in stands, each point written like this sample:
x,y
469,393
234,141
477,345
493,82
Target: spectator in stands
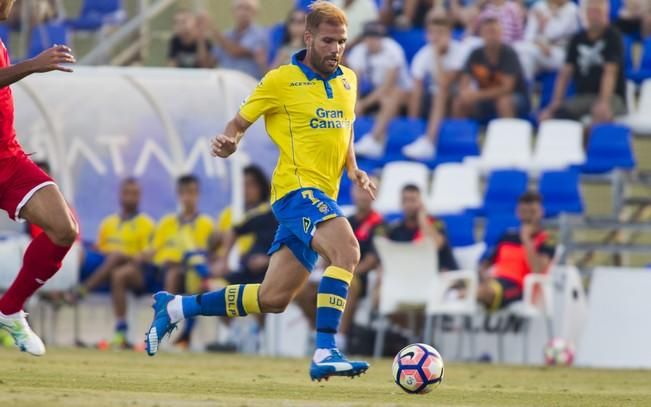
x,y
435,71
122,242
416,224
595,62
244,48
384,82
365,222
635,18
188,47
462,13
358,12
180,245
292,38
518,253
508,13
405,14
501,88
550,26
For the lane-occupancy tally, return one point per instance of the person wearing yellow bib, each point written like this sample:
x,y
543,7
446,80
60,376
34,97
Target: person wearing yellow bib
x,y
122,240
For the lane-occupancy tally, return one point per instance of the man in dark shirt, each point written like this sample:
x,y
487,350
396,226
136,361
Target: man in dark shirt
x,y
518,253
500,88
417,224
595,61
189,48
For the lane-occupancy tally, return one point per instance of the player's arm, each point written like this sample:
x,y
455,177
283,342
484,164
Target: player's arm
x,y
356,175
48,60
223,145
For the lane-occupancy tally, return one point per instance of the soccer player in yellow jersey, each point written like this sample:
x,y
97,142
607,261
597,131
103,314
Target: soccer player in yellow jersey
x,y
308,108
122,240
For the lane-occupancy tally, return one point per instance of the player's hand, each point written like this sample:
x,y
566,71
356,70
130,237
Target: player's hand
x,y
362,180
52,59
223,146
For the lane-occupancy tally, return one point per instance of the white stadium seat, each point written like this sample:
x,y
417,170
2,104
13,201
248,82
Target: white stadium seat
x,y
639,119
507,145
559,145
455,188
409,278
468,257
395,176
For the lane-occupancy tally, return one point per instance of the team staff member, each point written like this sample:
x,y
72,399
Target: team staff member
x,y
122,241
416,224
518,253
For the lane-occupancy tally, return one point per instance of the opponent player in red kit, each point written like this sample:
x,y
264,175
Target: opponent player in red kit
x,y
28,194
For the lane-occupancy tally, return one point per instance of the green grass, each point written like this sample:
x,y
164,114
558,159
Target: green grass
x,y
96,379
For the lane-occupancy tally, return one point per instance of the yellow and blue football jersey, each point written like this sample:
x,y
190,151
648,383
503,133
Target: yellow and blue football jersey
x,y
174,238
129,236
310,119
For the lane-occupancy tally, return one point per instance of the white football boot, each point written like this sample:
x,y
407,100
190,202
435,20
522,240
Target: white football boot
x,y
17,326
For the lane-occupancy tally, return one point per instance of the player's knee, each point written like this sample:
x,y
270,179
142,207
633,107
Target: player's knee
x,y
347,258
273,303
65,233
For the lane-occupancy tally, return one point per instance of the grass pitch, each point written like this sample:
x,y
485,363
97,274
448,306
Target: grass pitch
x,y
89,378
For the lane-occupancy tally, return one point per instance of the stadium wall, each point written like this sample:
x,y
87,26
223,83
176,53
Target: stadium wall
x,y
99,125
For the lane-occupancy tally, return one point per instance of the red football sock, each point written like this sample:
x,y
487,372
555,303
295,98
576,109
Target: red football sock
x,y
41,261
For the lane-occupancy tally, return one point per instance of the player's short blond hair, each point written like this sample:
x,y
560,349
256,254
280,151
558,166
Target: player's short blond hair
x,y
322,11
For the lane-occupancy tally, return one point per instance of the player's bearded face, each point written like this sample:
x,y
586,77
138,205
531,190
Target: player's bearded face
x,y
327,47
5,8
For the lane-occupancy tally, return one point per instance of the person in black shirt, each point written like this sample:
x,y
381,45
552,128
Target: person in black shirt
x,y
495,69
188,47
595,62
417,224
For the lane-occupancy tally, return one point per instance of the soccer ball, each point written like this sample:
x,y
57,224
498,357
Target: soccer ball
x,y
418,368
559,352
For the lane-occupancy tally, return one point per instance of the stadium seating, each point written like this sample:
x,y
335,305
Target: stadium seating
x,y
460,229
503,189
410,40
402,265
4,35
610,146
559,145
395,176
45,35
401,131
547,82
639,120
495,227
97,13
457,139
468,257
560,192
642,72
455,188
507,145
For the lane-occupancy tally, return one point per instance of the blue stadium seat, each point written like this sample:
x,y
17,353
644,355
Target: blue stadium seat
x,y
457,139
276,36
610,146
644,71
362,125
496,226
45,35
401,132
303,4
560,192
95,13
547,82
4,35
460,229
410,40
503,190
615,5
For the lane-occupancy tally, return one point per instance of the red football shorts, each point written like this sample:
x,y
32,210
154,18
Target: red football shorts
x,y
20,179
